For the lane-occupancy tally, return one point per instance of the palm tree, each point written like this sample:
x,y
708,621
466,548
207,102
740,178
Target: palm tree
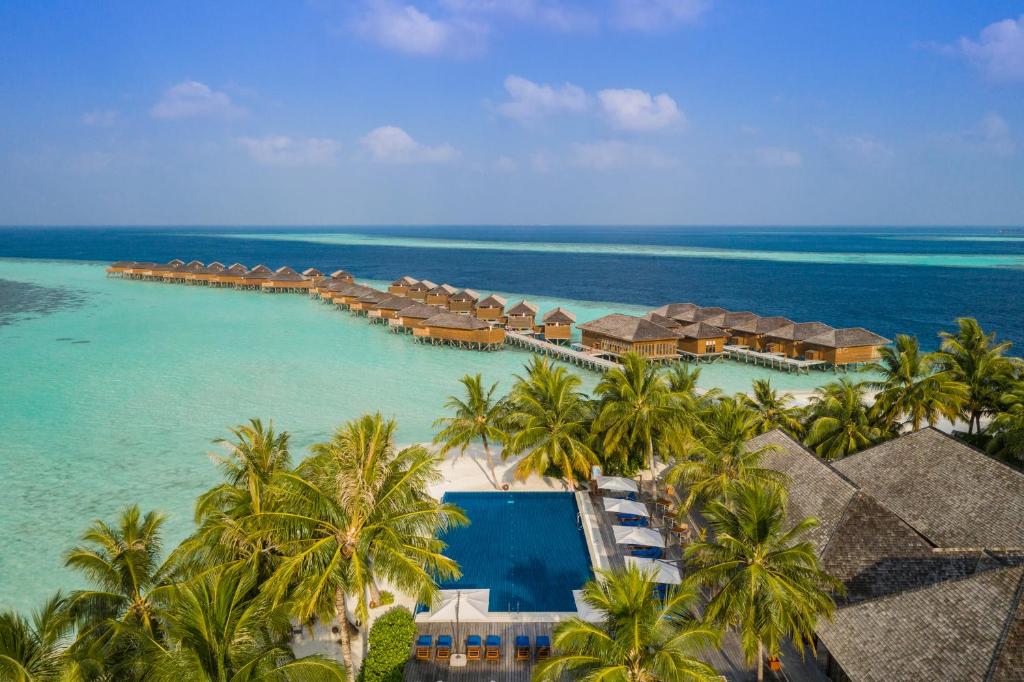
x,y
636,409
839,421
765,582
773,411
682,381
479,416
1007,427
549,422
721,457
911,391
639,638
217,632
355,513
34,650
973,358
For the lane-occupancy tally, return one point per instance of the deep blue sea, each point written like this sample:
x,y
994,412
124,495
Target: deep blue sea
x,y
890,280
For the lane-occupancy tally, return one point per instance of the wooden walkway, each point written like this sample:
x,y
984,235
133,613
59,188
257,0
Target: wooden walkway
x,y
478,671
772,360
564,353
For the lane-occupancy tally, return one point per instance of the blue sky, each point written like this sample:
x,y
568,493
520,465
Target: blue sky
x,y
512,112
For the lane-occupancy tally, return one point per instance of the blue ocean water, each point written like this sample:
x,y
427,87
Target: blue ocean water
x,y
527,548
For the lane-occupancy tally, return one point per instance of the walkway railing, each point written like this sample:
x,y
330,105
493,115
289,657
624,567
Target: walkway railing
x,y
773,360
564,353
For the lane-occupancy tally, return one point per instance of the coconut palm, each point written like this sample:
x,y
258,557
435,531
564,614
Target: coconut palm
x,y
720,456
33,650
682,381
216,632
973,358
356,513
772,410
477,417
913,391
549,423
1007,427
639,639
636,410
839,422
766,583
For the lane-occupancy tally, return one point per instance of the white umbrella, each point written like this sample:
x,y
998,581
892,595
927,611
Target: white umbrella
x,y
621,506
460,606
635,535
663,571
617,483
584,610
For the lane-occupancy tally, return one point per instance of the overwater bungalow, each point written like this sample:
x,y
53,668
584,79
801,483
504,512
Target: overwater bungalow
x,y
418,291
681,312
120,267
847,346
788,339
701,339
703,314
230,277
522,317
617,334
439,295
350,294
462,301
255,278
286,280
462,331
312,273
342,276
136,270
412,317
491,309
389,308
666,322
557,325
750,332
369,299
401,286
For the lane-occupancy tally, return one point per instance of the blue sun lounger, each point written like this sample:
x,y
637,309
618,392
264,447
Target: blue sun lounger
x,y
627,520
423,646
522,648
543,647
443,652
492,648
646,552
474,648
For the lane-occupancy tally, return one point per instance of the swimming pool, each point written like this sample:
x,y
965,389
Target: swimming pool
x,y
527,548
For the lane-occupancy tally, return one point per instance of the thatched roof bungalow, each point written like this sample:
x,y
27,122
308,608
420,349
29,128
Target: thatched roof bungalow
x,y
681,312
439,295
558,324
618,334
751,332
848,346
285,279
789,338
491,309
418,291
701,338
462,301
522,317
401,286
411,317
459,330
389,308
368,300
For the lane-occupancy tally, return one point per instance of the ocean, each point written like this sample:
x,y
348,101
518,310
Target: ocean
x,y
112,390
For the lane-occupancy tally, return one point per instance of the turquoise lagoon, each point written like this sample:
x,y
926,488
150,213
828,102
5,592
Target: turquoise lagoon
x,y
115,397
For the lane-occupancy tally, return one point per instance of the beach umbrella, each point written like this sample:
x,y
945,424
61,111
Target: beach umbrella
x,y
584,610
456,606
635,535
622,506
617,484
663,571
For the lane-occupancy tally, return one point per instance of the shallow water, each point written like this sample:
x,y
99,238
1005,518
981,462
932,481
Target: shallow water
x,y
114,389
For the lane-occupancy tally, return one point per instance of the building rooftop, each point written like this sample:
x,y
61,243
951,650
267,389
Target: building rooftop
x,y
761,325
701,330
465,295
455,321
848,337
678,311
558,316
628,328
523,308
492,301
395,303
799,331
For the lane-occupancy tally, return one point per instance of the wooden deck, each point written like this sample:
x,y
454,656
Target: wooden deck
x,y
564,353
507,668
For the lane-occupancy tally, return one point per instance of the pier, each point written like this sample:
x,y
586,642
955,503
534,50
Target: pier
x,y
563,353
772,360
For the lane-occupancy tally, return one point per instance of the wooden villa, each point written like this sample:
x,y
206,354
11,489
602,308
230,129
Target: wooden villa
x,y
342,276
439,295
557,325
312,273
462,331
849,346
412,317
286,280
491,309
255,278
120,267
349,294
364,303
750,332
788,339
230,276
463,301
418,291
401,286
389,308
701,340
618,334
522,317
680,312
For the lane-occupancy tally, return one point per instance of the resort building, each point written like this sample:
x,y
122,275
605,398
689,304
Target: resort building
x,y
926,534
388,308
680,312
463,301
350,294
312,273
749,333
459,330
413,316
401,286
558,325
120,267
666,322
286,280
342,276
788,339
522,317
367,300
439,295
852,345
618,334
231,277
418,291
491,309
701,339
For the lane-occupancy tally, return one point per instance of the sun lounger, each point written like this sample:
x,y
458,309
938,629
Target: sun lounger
x,y
443,652
423,646
543,648
625,520
492,648
646,552
660,590
474,649
522,648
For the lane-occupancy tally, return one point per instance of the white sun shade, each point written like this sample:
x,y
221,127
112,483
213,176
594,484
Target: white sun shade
x,y
634,535
462,605
663,571
584,610
617,484
620,506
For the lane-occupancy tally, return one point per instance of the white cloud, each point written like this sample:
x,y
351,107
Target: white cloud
x,y
556,16
658,14
630,109
863,147
777,157
613,154
101,118
391,144
282,150
190,99
998,51
408,29
531,101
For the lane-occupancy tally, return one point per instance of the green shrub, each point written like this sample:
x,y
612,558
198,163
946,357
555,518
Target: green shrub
x,y
386,598
390,641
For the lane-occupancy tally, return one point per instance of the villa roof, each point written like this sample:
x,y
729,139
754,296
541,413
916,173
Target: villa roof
x,y
661,320
237,269
341,274
192,264
258,274
709,312
122,264
261,268
800,331
522,309
628,328
558,316
422,285
404,281
730,320
761,325
420,311
395,303
312,272
492,301
701,330
175,261
215,266
373,296
356,290
454,321
442,289
464,295
848,337
678,311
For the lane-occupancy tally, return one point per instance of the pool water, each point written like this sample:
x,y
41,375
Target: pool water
x,y
527,548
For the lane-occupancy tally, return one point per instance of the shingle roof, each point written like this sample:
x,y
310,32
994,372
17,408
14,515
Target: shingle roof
x,y
464,295
492,301
261,268
175,261
558,316
709,312
701,330
420,311
761,325
799,331
730,320
341,274
951,493
847,337
442,290
523,308
237,269
454,321
373,296
678,311
404,281
395,303
661,320
628,328
312,272
193,264
215,266
422,285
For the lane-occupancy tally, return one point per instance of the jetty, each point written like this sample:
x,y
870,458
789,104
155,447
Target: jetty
x,y
565,353
772,360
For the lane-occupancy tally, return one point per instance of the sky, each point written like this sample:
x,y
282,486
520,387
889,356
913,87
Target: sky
x,y
512,112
